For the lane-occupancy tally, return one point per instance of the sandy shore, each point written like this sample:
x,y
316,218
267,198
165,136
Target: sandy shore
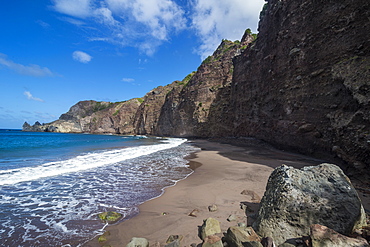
x,y
225,172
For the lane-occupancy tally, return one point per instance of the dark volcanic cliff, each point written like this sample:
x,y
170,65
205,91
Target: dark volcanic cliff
x,y
185,112
303,84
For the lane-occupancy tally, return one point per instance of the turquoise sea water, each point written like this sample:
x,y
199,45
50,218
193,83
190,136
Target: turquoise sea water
x,y
52,185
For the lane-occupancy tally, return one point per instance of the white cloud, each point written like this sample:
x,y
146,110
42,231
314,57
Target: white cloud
x,y
128,80
138,23
146,24
30,96
215,20
43,24
81,56
30,70
76,8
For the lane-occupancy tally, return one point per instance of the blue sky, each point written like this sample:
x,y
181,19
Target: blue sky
x,y
54,53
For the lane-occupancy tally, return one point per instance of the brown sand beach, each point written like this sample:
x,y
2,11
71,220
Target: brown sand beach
x,y
222,173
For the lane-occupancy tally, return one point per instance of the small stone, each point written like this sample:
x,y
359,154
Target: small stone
x,y
194,213
102,238
241,224
267,242
254,196
138,242
156,244
210,227
232,217
236,236
212,208
212,241
175,243
173,238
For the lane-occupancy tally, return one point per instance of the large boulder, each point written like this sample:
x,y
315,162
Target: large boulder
x,y
295,199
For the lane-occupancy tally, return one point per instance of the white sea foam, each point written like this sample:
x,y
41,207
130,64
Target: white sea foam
x,y
83,162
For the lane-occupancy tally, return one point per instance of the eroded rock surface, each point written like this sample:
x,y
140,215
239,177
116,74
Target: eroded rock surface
x,y
295,199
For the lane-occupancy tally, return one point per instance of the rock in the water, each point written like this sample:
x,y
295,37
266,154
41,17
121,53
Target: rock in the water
x,y
212,241
321,236
212,208
138,242
110,216
210,227
297,198
237,236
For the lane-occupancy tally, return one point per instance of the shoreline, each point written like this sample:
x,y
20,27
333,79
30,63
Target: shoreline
x,y
221,172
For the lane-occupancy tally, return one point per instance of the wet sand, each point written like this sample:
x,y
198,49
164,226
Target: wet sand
x,y
222,173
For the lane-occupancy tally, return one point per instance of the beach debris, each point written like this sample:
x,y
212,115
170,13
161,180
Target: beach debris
x,y
194,213
110,216
324,236
212,241
297,198
254,196
138,242
174,241
237,236
164,213
212,208
267,242
210,227
232,217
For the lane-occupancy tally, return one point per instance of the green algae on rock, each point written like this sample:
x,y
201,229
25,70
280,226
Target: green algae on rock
x,y
110,216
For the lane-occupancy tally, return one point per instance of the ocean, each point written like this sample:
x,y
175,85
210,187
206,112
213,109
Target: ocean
x,y
53,185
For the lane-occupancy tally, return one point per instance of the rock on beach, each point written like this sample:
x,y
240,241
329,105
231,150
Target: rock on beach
x,y
295,199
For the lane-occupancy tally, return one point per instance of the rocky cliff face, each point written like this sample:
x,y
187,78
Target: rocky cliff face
x,y
94,117
186,112
147,116
303,84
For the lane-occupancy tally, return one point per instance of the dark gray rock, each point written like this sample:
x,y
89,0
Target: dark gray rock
x,y
295,199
